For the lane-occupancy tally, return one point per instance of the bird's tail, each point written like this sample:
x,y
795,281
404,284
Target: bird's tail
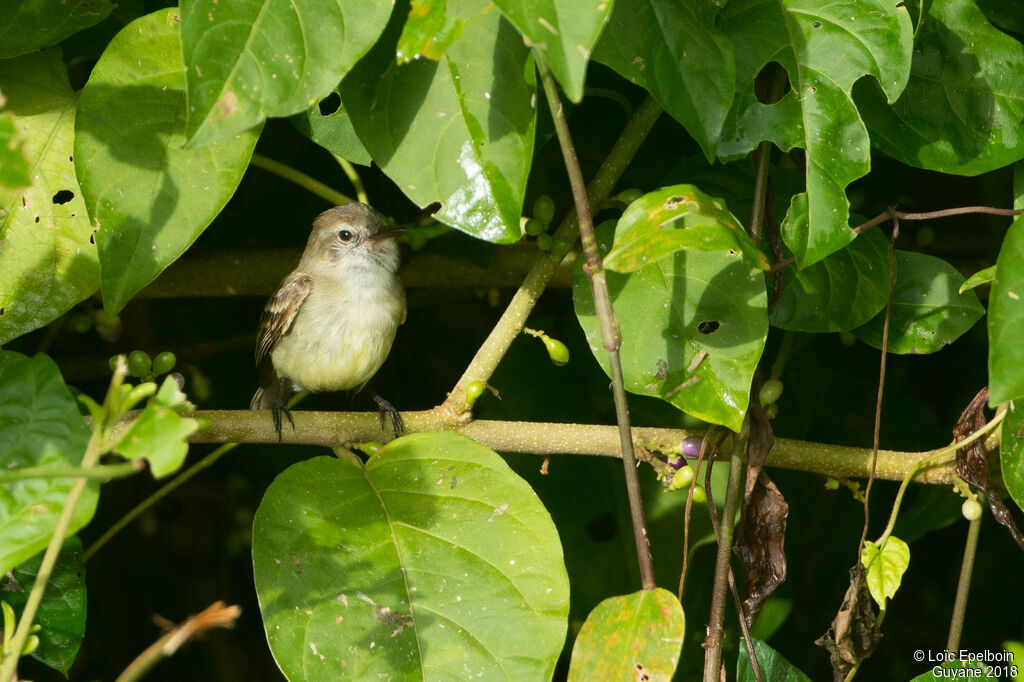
x,y
266,397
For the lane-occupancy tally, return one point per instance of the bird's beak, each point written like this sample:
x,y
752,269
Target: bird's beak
x,y
390,233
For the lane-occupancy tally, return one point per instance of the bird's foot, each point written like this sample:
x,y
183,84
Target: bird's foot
x,y
277,409
388,410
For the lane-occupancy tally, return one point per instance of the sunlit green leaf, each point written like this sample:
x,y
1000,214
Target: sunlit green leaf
x,y
151,198
31,24
774,665
673,218
693,328
250,59
957,115
435,561
885,565
13,164
1006,310
1011,452
429,30
48,261
928,310
459,130
333,131
39,426
635,636
563,32
159,434
62,610
985,276
841,292
825,48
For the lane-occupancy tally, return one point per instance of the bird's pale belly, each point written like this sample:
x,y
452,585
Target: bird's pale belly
x,y
343,350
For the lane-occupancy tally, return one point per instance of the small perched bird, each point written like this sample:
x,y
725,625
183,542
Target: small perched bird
x,y
331,323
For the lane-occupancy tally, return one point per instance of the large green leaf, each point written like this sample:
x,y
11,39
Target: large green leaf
x,y
563,32
636,636
1006,310
250,59
39,426
13,164
62,610
152,198
1011,452
31,24
459,130
825,48
693,328
435,562
674,50
841,292
774,665
962,108
928,310
48,260
678,217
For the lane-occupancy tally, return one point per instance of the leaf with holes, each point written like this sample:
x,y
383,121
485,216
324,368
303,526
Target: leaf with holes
x,y
674,51
673,218
39,426
825,48
841,292
1011,452
332,130
48,261
151,198
432,561
246,60
62,610
928,310
1006,309
693,329
885,565
563,32
635,636
957,115
29,25
459,130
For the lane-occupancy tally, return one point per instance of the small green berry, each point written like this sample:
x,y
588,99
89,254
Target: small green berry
x,y
139,363
556,350
544,242
164,362
699,496
561,245
971,509
544,209
682,478
535,227
113,362
473,392
770,391
80,323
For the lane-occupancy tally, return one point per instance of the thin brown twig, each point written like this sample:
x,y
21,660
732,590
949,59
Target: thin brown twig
x,y
689,504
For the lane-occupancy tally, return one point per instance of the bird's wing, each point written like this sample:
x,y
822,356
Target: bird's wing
x,y
277,319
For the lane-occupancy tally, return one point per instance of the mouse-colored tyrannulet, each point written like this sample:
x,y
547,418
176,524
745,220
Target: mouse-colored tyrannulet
x,y
331,323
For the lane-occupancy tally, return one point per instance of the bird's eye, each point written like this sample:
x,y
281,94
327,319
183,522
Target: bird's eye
x,y
345,236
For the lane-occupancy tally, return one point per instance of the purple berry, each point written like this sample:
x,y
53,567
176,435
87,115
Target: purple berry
x,y
691,446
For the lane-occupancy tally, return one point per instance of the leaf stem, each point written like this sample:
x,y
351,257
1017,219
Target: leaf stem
x,y
9,668
512,320
963,586
610,337
719,591
318,188
353,177
103,473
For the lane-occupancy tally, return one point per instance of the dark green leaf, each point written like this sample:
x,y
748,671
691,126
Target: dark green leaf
x,y
39,426
673,218
62,610
1006,310
1011,452
841,292
48,262
693,329
13,164
32,24
674,50
160,433
459,130
635,636
563,32
928,311
151,198
774,666
825,48
958,115
333,131
250,59
434,561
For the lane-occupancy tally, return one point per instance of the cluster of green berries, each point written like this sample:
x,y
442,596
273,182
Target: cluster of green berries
x,y
144,367
538,225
